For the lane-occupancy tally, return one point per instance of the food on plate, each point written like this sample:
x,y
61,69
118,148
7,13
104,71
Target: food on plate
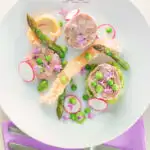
x,y
44,39
80,31
105,82
98,104
26,71
48,25
82,88
79,62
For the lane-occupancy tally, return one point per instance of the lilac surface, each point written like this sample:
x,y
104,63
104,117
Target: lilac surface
x,y
133,139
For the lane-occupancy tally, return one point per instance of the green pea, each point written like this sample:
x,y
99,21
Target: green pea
x,y
88,67
99,75
109,30
87,110
48,58
115,87
73,87
110,82
61,23
63,79
39,61
73,100
43,85
94,83
99,89
88,56
73,117
64,63
85,97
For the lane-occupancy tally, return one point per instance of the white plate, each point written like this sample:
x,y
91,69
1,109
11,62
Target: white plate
x,y
20,100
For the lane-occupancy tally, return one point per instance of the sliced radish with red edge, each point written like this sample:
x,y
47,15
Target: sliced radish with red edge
x,y
26,71
72,14
98,104
101,31
72,108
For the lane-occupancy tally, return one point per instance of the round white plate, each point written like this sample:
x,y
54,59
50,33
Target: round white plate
x,y
20,101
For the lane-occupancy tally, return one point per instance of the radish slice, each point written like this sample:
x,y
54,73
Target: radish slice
x,y
72,107
98,104
101,31
72,14
26,71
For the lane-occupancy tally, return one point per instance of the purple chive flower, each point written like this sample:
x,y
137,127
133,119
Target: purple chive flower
x,y
83,71
66,117
57,68
81,39
102,82
36,51
70,106
37,69
80,117
108,90
48,67
108,75
91,116
63,12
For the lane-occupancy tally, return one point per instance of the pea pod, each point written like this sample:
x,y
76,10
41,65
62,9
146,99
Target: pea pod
x,y
44,39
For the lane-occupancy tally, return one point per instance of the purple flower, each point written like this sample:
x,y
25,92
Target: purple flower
x,y
81,39
108,90
66,117
48,67
63,12
108,75
57,68
37,69
36,51
102,82
80,117
91,116
70,106
83,71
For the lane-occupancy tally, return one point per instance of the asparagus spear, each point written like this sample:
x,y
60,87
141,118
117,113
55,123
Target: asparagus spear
x,y
114,56
44,39
60,105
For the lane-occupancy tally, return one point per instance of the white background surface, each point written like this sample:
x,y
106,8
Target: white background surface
x,y
143,5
